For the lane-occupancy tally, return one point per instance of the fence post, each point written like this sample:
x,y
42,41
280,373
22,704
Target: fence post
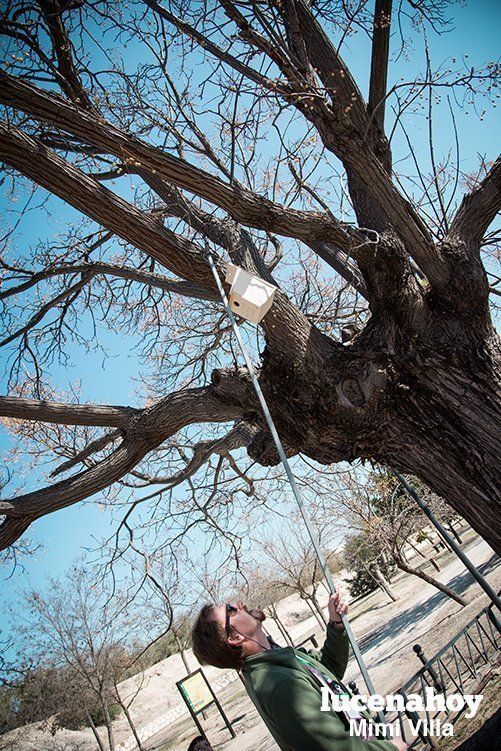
x,y
437,685
353,688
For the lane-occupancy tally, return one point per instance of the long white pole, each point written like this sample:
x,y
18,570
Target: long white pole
x,y
304,512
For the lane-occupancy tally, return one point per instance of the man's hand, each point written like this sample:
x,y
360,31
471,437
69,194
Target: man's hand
x,y
338,606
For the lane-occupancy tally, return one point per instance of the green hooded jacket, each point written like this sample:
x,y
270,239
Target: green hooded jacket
x,y
288,697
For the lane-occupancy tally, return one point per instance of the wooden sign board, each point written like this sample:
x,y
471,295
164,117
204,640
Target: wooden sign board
x,y
198,695
196,691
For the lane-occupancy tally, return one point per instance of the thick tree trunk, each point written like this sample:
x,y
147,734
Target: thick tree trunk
x,y
448,435
430,409
417,389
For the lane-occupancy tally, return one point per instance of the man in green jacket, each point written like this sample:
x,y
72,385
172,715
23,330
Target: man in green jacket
x,y
285,683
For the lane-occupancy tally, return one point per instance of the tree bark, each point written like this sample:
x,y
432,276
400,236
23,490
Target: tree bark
x,y
452,439
66,414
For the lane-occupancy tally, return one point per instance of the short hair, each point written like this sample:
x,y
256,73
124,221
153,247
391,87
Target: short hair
x,y
210,643
194,742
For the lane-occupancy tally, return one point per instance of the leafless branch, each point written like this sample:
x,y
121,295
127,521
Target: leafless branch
x,y
17,408
246,207
146,430
479,208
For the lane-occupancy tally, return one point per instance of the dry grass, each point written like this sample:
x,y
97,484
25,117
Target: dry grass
x,y
465,736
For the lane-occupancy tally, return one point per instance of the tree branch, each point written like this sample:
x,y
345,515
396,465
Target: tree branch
x,y
205,43
145,431
379,61
70,80
378,201
98,445
479,208
340,262
241,435
30,157
102,415
284,325
244,206
40,314
334,74
224,232
247,32
186,289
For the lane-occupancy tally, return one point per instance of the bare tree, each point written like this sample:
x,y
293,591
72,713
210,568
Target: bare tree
x,y
295,563
386,518
264,591
88,640
363,554
167,159
55,697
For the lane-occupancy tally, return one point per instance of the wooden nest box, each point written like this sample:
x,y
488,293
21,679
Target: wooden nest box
x,y
250,296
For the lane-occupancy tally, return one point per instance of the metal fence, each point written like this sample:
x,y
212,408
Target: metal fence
x,y
457,669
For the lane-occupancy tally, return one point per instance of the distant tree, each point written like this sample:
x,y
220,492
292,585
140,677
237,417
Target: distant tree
x,y
263,590
390,500
366,557
181,634
387,519
80,640
295,562
56,696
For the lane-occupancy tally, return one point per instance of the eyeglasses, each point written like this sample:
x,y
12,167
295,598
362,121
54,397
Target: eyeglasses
x,y
229,610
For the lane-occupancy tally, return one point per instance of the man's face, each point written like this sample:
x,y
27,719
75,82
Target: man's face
x,y
246,622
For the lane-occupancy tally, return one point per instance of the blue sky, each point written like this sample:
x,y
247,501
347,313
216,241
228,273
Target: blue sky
x,y
65,534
